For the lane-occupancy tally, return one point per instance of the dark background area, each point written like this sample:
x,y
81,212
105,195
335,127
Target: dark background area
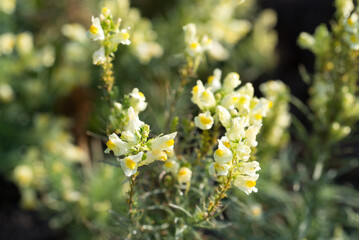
x,y
294,16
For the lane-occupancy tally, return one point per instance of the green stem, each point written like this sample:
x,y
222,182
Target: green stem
x,y
131,194
215,203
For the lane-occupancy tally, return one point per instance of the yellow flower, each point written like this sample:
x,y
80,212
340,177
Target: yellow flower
x,y
99,57
24,43
123,37
204,121
117,146
223,154
184,175
171,166
23,175
251,134
130,164
246,183
220,169
164,143
224,116
237,130
214,81
137,100
96,32
231,81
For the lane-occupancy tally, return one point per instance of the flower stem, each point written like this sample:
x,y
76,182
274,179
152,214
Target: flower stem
x,y
215,203
131,194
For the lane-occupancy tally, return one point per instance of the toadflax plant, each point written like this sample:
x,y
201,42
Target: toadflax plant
x,y
214,150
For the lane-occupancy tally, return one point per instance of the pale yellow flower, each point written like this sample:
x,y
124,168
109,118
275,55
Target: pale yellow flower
x,y
171,166
117,146
96,32
246,183
184,175
130,164
214,81
223,154
231,82
137,100
204,121
224,116
99,57
23,175
218,169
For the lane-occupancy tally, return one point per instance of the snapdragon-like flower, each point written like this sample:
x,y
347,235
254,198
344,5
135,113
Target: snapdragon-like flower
x,y
137,100
249,168
251,134
117,146
184,175
99,57
130,164
123,37
218,169
237,129
133,121
202,96
163,143
171,166
204,121
214,81
159,147
194,46
223,154
224,116
246,183
231,82
96,32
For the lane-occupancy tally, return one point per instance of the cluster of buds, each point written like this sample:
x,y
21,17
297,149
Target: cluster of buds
x,y
240,113
132,146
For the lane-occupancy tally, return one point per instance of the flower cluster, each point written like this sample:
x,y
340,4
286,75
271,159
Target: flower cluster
x,y
240,113
225,28
334,89
108,33
132,146
194,45
143,37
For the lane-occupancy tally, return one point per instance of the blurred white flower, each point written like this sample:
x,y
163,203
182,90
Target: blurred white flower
x,y
99,57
